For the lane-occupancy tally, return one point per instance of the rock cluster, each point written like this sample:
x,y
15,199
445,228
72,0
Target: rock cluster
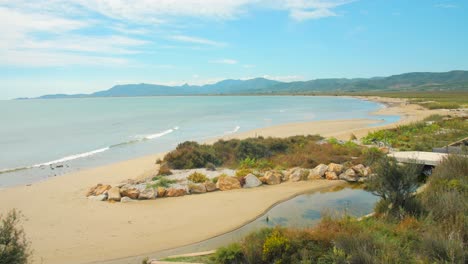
x,y
132,190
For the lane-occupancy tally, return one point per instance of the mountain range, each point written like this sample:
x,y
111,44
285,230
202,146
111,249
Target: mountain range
x,y
414,81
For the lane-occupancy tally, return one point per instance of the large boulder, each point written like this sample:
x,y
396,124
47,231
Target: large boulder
x,y
318,172
113,194
197,188
161,192
272,177
331,175
210,186
298,175
336,168
321,169
359,169
129,191
349,175
251,181
147,194
226,183
173,192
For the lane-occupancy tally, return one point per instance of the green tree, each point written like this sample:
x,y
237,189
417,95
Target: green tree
x,y
14,247
395,184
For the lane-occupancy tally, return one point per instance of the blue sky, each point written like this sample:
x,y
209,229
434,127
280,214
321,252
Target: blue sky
x,y
81,46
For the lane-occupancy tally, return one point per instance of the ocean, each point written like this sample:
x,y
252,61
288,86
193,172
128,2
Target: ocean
x,y
47,138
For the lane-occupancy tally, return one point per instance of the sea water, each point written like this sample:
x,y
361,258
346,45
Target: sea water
x,y
47,138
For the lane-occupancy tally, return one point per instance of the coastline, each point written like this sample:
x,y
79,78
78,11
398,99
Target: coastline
x,y
64,226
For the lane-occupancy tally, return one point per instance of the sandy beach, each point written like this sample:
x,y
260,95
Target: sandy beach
x,y
65,227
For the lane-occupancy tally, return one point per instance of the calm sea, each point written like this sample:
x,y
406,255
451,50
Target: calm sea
x,y
47,138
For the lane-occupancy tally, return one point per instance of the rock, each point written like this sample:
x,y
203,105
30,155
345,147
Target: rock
x,y
101,197
129,191
173,192
272,177
320,170
360,169
127,200
251,181
98,189
161,192
210,186
367,172
197,188
113,194
314,175
228,183
331,175
102,189
263,180
349,175
147,194
298,175
336,168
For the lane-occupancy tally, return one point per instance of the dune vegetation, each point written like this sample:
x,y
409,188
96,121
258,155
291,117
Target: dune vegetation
x,y
267,153
434,131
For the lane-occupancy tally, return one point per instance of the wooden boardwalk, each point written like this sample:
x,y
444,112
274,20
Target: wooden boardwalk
x,y
419,157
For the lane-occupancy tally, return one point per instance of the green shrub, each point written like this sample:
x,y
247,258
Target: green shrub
x,y
215,179
160,181
189,155
243,172
14,247
275,247
197,177
252,245
394,183
232,254
446,192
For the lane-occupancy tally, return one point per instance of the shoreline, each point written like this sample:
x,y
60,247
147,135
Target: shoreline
x,y
73,229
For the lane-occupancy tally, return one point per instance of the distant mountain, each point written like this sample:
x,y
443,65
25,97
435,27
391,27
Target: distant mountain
x,y
415,81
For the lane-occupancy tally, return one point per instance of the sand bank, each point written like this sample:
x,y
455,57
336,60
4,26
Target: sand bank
x,y
65,227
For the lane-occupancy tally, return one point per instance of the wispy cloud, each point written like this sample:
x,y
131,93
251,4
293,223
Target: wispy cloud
x,y
225,61
285,78
196,40
248,66
446,5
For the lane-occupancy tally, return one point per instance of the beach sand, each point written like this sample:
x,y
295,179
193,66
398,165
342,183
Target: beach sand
x,y
65,227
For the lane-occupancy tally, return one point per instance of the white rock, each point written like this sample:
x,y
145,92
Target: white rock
x,y
127,200
251,181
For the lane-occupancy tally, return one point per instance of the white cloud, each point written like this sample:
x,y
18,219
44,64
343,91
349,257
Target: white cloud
x,y
224,61
446,5
286,78
301,15
196,40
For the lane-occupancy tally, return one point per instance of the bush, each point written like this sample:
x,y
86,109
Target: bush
x,y
160,181
189,155
394,183
231,254
446,192
14,247
197,177
210,166
164,170
243,172
275,247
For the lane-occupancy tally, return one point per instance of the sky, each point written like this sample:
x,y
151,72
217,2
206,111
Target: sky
x,y
82,46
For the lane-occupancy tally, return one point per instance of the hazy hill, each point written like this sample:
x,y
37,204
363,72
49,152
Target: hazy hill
x,y
415,81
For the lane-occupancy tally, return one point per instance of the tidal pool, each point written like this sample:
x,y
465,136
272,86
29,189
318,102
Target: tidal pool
x,y
302,211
